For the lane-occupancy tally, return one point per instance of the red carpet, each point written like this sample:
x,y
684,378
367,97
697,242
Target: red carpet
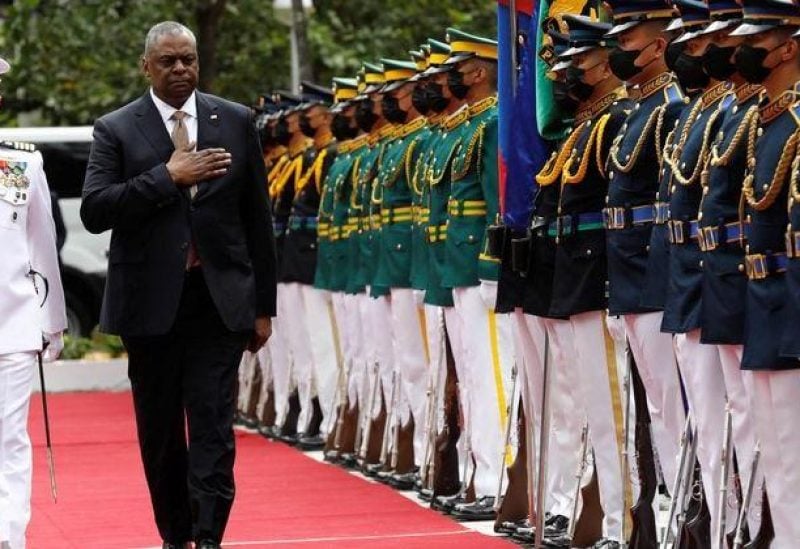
x,y
284,499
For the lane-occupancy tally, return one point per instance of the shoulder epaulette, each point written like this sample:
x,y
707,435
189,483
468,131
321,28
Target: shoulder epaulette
x,y
18,146
456,119
413,126
484,104
359,142
674,93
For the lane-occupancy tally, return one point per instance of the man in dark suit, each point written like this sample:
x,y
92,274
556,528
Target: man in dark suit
x,y
177,176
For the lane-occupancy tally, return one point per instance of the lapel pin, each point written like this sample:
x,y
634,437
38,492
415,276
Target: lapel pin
x,y
214,117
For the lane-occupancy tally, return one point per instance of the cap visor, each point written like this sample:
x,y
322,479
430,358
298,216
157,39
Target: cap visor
x,y
616,30
575,51
749,29
717,26
685,37
437,70
458,58
562,65
391,86
675,24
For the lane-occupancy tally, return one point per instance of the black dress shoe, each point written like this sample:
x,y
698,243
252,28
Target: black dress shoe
x,y
384,476
606,543
184,545
371,469
525,534
348,461
404,482
480,509
446,504
268,431
556,525
425,494
310,443
207,544
509,527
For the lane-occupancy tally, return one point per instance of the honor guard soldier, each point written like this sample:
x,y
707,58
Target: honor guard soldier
x,y
468,156
579,292
395,188
289,348
342,227
632,208
536,260
720,234
314,371
685,155
32,323
770,55
373,305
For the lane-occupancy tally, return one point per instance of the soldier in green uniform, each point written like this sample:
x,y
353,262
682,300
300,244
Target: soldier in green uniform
x,y
467,156
394,188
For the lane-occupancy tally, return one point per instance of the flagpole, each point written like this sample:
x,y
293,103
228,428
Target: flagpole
x,y
512,14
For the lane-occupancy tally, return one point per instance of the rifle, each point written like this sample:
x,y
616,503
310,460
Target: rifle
x,y
573,516
446,480
766,531
365,430
723,483
510,416
514,506
643,532
434,384
677,485
544,433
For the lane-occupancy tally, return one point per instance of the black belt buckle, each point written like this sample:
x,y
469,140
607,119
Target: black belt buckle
x,y
521,253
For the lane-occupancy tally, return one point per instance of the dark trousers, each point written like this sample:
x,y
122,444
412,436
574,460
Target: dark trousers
x,y
185,382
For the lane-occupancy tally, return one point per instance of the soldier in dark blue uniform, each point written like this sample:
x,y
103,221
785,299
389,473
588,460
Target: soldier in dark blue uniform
x,y
580,262
632,209
685,156
721,235
770,55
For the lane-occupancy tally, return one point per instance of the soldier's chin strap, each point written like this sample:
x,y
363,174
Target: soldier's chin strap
x,y
33,274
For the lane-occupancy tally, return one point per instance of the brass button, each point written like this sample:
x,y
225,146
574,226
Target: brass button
x,y
741,267
701,263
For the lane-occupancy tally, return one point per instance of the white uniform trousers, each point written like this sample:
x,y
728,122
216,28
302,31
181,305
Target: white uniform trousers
x,y
16,377
280,356
319,325
488,360
564,440
300,343
437,374
265,362
597,388
455,333
654,353
410,360
357,365
247,371
775,401
705,390
376,327
743,434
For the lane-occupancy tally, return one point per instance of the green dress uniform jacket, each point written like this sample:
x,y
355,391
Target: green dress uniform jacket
x,y
339,169
394,239
419,205
473,204
344,222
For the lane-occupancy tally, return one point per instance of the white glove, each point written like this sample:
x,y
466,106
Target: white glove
x,y
55,344
419,297
488,291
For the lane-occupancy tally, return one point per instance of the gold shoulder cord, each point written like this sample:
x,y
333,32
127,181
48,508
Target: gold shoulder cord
x,y
749,124
457,174
778,179
433,178
409,155
355,182
793,188
568,177
655,119
701,157
555,165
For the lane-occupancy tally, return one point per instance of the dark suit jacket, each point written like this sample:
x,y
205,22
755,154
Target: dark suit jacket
x,y
129,191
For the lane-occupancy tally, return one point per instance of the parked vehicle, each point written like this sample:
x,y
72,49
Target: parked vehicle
x,y
84,255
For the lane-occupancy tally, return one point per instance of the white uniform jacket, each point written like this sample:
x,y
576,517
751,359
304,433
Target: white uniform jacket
x,y
29,307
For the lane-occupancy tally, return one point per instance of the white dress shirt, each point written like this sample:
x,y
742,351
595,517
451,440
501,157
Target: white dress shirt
x,y
166,112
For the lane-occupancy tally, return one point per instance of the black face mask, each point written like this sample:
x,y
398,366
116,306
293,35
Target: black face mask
x,y
717,62
622,62
576,87
420,99
342,128
749,62
456,85
365,118
674,50
282,135
306,127
562,97
436,99
691,75
392,110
